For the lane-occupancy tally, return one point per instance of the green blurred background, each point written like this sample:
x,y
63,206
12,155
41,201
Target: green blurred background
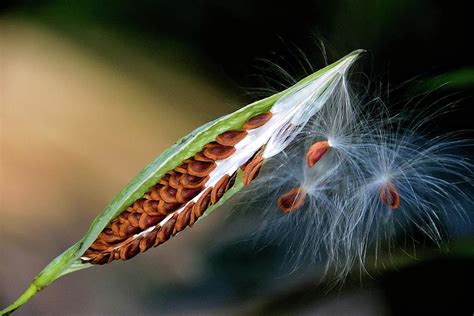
x,y
91,91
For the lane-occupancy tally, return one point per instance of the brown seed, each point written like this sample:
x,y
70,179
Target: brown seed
x,y
148,240
252,169
148,221
108,236
192,182
134,219
166,230
183,218
200,157
99,245
174,179
315,152
219,189
155,192
291,200
201,168
231,138
166,208
168,194
115,226
100,258
130,249
127,229
219,152
389,195
138,205
202,204
151,207
257,121
183,168
164,180
184,194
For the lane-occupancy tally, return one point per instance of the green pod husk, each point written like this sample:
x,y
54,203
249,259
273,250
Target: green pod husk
x,y
69,261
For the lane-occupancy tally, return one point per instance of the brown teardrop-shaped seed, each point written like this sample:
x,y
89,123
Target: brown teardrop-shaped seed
x,y
164,180
201,157
183,218
219,152
127,229
231,138
168,194
192,182
130,249
201,168
389,195
291,200
101,258
203,203
257,121
99,245
155,192
148,221
315,152
183,195
134,219
115,226
122,218
137,206
192,218
166,230
182,168
148,240
112,256
151,207
166,208
174,179
108,236
219,189
251,170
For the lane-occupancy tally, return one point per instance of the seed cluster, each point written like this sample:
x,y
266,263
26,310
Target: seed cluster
x,y
140,227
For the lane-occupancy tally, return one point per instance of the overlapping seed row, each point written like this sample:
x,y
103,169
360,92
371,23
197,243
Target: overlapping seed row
x,y
141,226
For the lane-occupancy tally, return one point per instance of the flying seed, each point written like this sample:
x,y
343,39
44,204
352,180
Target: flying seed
x,y
315,152
291,200
389,195
257,121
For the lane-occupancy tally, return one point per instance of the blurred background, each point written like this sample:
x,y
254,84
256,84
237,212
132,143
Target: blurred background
x,y
91,91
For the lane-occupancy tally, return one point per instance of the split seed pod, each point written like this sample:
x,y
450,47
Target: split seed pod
x,y
210,156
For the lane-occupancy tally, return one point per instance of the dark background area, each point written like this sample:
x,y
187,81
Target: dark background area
x,y
414,47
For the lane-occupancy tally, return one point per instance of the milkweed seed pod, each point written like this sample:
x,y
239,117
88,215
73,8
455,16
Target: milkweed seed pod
x,y
195,176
